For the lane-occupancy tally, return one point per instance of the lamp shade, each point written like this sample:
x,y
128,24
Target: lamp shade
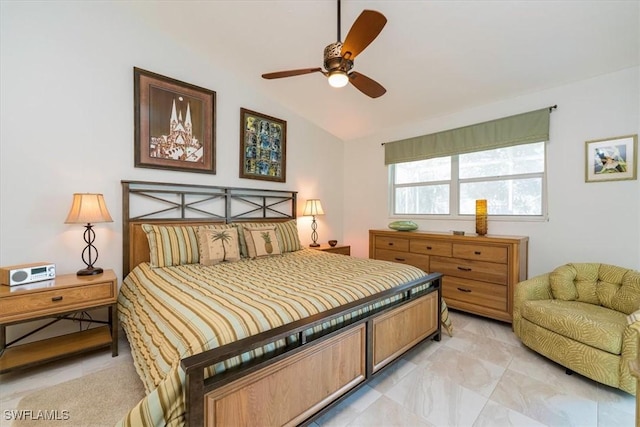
x,y
313,207
88,208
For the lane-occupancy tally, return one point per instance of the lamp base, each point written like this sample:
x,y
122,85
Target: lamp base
x,y
90,271
314,245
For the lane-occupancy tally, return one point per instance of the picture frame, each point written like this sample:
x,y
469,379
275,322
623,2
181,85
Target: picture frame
x,y
175,124
263,146
611,159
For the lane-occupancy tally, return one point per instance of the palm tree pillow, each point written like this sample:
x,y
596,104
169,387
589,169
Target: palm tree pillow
x,y
262,241
218,245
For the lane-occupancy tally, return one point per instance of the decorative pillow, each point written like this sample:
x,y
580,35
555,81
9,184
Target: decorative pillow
x,y
261,241
289,233
218,245
286,232
444,318
172,245
633,317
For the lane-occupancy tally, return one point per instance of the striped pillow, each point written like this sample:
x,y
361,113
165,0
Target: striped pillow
x,y
286,233
174,245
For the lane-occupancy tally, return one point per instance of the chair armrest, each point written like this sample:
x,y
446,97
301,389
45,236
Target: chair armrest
x,y
533,289
630,344
536,288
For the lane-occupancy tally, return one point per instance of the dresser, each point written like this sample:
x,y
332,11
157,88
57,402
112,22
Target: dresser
x,y
480,272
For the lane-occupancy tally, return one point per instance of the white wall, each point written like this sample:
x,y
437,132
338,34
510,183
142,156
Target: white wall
x,y
67,126
587,221
66,83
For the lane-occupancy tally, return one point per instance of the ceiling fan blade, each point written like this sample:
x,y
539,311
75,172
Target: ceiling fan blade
x,y
290,73
366,85
363,31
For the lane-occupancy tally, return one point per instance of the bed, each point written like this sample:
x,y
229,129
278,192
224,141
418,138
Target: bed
x,y
273,338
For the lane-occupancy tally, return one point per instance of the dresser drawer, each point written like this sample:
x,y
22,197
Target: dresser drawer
x,y
480,252
469,269
477,293
417,260
395,243
430,247
55,301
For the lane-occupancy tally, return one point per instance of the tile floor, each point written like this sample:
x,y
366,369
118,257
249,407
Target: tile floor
x,y
482,376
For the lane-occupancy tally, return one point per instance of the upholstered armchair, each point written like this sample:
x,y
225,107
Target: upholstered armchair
x,y
584,317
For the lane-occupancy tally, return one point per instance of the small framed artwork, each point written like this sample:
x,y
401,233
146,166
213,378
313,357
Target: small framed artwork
x,y
175,124
263,146
611,159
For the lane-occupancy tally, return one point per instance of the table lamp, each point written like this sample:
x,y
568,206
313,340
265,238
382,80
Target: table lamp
x,y
88,209
312,208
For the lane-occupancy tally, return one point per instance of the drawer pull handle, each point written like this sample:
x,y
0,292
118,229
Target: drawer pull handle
x,y
54,299
429,247
464,268
464,290
399,259
477,252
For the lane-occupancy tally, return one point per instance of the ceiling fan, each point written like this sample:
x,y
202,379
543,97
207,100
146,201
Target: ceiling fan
x,y
339,56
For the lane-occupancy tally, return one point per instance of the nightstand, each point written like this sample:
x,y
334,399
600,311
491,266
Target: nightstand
x,y
58,299
337,249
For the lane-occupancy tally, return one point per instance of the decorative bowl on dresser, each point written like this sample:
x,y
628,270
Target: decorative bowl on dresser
x,y
480,272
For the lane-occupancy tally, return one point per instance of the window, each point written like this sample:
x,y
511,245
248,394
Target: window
x,y
512,179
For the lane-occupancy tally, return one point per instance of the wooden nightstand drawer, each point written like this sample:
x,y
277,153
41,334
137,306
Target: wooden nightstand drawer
x,y
342,250
481,252
337,249
29,305
430,247
393,243
474,270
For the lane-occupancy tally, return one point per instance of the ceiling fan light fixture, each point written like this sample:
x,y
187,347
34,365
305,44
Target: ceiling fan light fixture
x,y
338,78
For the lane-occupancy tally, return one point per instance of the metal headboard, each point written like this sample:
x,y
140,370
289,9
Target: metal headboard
x,y
167,203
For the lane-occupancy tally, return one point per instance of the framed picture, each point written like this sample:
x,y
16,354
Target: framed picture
x,y
263,147
174,124
611,159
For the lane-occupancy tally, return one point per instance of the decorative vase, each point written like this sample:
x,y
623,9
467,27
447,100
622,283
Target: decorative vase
x,y
481,217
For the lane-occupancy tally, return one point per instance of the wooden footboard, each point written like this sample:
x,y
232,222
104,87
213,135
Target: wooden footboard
x,y
298,385
400,329
292,390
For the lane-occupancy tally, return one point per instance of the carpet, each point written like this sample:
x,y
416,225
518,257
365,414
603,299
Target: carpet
x,y
95,400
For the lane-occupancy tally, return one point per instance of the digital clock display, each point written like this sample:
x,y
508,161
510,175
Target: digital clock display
x,y
39,270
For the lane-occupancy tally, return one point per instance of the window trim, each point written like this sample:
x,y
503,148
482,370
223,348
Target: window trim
x,y
454,194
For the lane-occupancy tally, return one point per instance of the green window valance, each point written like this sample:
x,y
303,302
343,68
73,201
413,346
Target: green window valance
x,y
513,130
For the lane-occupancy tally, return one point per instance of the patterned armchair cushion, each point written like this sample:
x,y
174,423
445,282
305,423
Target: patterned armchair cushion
x,y
589,324
627,297
610,286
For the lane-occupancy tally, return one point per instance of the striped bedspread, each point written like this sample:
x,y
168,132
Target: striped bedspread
x,y
173,312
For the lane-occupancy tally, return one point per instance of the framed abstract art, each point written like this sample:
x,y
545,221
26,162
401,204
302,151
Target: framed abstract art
x,y
263,146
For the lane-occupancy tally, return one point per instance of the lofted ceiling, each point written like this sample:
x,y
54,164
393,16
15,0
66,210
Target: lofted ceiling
x,y
433,57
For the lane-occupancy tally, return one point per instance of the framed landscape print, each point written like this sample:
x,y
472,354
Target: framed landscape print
x,y
174,124
263,146
611,159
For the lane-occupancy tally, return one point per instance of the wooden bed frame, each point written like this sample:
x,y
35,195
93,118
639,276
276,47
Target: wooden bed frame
x,y
318,370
